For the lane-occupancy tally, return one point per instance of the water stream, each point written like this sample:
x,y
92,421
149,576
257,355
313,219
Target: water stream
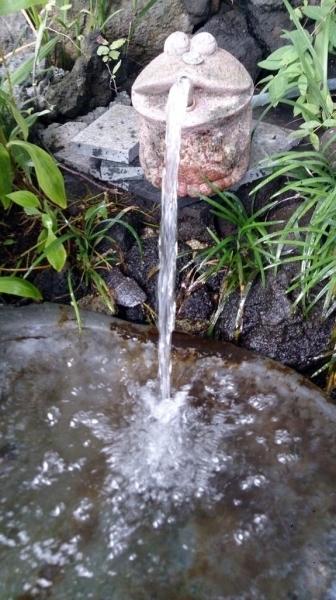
x,y
176,106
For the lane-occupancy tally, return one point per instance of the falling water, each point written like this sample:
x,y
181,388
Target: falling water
x,y
176,105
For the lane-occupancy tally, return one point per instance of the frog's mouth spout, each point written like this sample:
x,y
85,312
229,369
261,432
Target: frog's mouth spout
x,y
155,87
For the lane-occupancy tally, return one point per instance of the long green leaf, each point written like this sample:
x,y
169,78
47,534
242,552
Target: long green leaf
x,y
103,25
5,175
20,121
55,251
17,115
21,73
24,198
38,43
48,175
19,287
12,6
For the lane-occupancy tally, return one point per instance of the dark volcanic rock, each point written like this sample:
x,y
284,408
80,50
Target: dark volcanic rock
x,y
193,316
54,286
267,20
118,236
231,32
86,86
273,328
125,290
193,222
200,10
144,269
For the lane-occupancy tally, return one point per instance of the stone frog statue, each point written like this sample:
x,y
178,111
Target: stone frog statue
x,y
216,130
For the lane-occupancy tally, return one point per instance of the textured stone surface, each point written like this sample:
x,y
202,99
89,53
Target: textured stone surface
x,y
200,10
215,132
267,140
83,164
113,136
13,28
222,157
162,19
271,327
231,32
267,20
87,86
59,136
116,172
125,290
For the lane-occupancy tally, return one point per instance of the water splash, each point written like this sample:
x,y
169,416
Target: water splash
x,y
106,491
176,105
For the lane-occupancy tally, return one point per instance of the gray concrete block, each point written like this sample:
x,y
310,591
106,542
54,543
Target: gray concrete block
x,y
78,162
273,138
113,136
267,139
115,172
60,136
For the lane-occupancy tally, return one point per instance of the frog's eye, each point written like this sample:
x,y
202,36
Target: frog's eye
x,y
177,44
204,44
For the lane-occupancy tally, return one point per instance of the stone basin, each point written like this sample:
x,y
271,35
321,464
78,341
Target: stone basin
x,y
225,492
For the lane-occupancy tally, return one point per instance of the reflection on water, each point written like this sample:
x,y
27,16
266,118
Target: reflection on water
x,y
226,493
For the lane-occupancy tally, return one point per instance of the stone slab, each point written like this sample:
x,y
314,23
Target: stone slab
x,y
60,136
78,162
267,139
113,136
115,172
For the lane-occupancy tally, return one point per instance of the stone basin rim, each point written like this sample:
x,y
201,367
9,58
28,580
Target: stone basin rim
x,y
39,321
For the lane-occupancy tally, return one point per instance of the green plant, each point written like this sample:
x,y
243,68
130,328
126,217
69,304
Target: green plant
x,y
330,367
10,79
310,231
15,286
20,161
86,235
310,236
8,7
111,52
36,14
29,176
19,158
98,14
239,256
42,20
302,65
